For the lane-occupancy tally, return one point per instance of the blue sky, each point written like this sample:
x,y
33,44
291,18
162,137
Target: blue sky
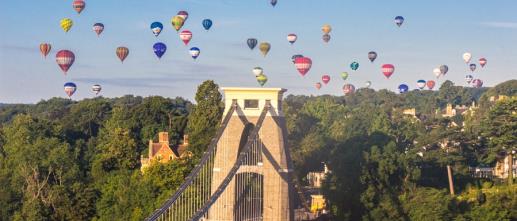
x,y
435,32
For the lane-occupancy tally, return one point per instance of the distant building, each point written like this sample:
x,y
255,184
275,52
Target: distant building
x,y
497,98
161,152
502,167
315,179
410,112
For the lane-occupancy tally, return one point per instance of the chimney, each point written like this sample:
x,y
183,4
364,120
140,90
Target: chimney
x,y
185,139
163,137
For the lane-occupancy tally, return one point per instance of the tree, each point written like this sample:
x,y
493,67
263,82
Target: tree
x,y
205,117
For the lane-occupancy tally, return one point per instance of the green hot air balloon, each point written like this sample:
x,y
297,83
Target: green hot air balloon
x,y
262,79
344,75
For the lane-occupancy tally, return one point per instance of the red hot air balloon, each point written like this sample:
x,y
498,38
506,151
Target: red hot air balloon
x,y
348,89
387,70
45,49
65,59
325,79
185,36
482,62
318,85
303,64
122,53
430,84
79,6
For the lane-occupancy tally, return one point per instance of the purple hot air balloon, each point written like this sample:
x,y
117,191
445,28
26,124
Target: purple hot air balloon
x,y
159,49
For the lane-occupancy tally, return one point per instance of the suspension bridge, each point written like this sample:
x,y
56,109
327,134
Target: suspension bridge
x,y
245,173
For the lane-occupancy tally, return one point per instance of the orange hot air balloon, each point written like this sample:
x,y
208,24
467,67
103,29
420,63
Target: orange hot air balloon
x,y
45,49
122,53
430,84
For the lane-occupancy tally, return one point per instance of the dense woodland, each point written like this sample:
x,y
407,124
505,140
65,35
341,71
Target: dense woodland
x,y
79,160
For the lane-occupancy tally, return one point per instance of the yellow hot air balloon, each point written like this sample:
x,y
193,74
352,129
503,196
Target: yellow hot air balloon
x,y
177,22
262,79
326,29
66,24
264,48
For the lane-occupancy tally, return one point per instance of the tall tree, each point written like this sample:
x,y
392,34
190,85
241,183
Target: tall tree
x,y
205,117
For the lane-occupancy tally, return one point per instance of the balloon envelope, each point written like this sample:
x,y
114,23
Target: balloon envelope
x,y
469,78
466,57
186,36
45,49
291,38
403,88
177,22
477,83
430,84
257,71
66,24
65,59
122,53
70,88
252,42
326,29
296,56
262,79
273,2
318,85
159,49
264,48
194,52
207,24
156,28
387,70
372,55
472,67
344,75
482,62
399,20
96,88
183,14
437,72
79,6
444,69
326,38
354,65
98,28
348,89
303,65
325,79
368,84
421,84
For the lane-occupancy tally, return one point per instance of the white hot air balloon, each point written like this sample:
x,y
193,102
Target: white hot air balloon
x,y
257,71
437,72
466,57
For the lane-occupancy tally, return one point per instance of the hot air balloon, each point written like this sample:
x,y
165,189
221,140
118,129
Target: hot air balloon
x,y
257,71
430,84
185,36
317,85
326,38
326,29
291,38
96,89
368,84
70,88
262,79
66,24
482,62
354,65
466,57
157,28
122,53
177,22
194,52
264,48
296,56
252,42
421,84
399,20
273,2
344,75
65,59
98,28
403,88
372,55
469,78
78,6
325,79
437,72
303,65
183,14
348,89
207,24
45,49
387,70
444,69
472,67
159,49
477,83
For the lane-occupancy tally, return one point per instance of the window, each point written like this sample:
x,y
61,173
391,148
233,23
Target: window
x,y
251,104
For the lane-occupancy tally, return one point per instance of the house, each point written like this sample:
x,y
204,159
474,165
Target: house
x,y
502,167
315,179
161,152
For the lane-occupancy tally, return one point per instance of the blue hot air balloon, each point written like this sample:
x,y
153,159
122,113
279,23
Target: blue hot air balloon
x,y
252,42
207,24
156,27
194,52
403,88
399,20
273,2
70,88
354,65
421,84
159,49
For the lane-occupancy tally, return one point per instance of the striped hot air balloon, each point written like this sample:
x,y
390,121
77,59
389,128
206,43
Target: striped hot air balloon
x,y
291,38
96,88
65,59
45,49
183,14
303,65
79,6
98,28
194,52
70,88
186,36
122,53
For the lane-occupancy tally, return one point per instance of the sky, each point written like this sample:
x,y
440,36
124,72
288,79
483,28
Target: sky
x,y
434,32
